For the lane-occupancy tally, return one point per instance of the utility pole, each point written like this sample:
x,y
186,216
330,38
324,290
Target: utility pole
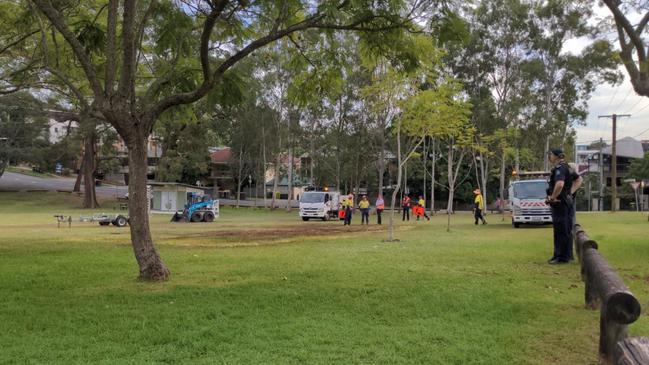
x,y
600,200
614,158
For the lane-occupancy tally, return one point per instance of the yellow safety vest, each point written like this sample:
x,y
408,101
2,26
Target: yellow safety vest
x,y
478,200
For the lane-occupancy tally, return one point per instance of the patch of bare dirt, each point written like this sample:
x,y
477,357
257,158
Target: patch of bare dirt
x,y
281,234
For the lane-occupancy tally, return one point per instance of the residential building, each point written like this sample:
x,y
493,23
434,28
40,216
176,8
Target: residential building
x,y
221,175
588,159
60,129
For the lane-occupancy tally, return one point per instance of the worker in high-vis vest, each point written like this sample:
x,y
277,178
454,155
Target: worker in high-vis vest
x,y
380,207
422,208
349,206
364,207
478,207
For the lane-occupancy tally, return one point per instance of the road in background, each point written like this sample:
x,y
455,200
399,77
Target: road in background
x,y
11,181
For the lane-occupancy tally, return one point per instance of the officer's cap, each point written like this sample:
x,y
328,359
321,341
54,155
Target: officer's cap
x,y
557,152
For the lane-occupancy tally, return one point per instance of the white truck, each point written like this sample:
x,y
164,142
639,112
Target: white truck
x,y
527,202
319,204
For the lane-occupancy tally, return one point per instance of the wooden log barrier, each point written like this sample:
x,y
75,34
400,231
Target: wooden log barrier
x,y
582,241
632,351
606,290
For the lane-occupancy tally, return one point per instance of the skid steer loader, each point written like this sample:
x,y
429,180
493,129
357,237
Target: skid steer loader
x,y
199,208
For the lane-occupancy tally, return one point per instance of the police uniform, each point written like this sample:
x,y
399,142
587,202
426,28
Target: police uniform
x,y
561,212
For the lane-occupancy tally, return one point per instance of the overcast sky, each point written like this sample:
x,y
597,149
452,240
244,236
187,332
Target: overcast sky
x,y
608,99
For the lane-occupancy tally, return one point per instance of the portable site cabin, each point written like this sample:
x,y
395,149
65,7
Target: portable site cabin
x,y
171,197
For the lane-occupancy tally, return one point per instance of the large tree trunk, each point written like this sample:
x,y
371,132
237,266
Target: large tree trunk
x,y
290,179
425,172
77,182
501,206
396,191
432,179
276,178
451,180
239,177
89,167
152,268
263,168
381,162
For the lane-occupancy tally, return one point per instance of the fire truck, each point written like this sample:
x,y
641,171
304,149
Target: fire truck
x,y
527,198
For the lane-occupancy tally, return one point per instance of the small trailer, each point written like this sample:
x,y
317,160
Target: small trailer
x,y
104,219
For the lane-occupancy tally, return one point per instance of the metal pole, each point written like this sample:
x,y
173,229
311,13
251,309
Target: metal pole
x,y
600,199
614,166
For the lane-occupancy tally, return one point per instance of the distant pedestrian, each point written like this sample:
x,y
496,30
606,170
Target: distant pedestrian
x,y
560,201
421,205
380,206
478,206
349,207
364,206
405,205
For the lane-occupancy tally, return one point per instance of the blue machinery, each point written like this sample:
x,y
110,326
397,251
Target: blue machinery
x,y
199,208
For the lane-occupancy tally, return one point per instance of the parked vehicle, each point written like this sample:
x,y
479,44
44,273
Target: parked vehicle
x,y
527,201
319,204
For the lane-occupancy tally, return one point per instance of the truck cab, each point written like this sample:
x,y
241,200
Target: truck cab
x,y
527,202
319,204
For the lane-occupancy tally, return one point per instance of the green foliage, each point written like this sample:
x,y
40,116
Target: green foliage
x,y
23,129
184,140
438,112
639,168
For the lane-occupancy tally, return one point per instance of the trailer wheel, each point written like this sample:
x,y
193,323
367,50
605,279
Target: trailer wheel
x,y
208,217
104,223
305,218
196,217
120,221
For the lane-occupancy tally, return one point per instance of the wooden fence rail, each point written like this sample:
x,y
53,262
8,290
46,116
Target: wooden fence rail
x,y
604,289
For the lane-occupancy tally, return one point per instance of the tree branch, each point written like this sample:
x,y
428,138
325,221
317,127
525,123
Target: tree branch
x,y
56,18
621,20
210,79
127,77
16,42
111,56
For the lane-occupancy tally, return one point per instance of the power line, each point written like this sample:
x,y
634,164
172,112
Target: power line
x,y
643,108
611,99
623,100
634,105
641,133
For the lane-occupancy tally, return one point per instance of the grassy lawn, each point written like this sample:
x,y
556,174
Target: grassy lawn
x,y
265,287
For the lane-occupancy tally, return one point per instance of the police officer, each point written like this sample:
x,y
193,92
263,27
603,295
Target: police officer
x,y
560,200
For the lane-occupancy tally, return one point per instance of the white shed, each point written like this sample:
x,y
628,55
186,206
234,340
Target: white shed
x,y
170,196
